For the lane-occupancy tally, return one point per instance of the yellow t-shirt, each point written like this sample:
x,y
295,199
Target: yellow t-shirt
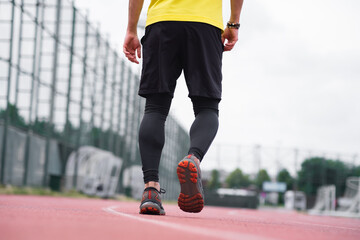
x,y
206,11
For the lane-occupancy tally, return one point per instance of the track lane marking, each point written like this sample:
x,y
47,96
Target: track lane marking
x,y
188,228
236,213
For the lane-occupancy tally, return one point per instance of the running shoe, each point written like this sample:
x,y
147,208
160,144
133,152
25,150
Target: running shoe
x,y
151,202
191,198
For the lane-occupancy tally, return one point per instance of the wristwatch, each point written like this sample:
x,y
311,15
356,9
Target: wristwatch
x,y
233,25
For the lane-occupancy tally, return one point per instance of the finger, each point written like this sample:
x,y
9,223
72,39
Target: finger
x,y
131,57
139,52
134,60
222,38
230,43
126,51
228,46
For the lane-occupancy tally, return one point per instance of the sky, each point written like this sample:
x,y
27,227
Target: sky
x,y
292,80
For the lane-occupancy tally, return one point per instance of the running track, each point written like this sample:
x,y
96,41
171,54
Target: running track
x,y
51,218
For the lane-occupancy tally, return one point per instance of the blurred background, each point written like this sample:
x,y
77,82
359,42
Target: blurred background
x,y
289,117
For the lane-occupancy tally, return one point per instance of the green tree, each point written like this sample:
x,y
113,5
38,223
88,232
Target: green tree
x,y
214,183
95,134
284,176
14,117
238,179
354,172
261,177
318,171
43,127
70,133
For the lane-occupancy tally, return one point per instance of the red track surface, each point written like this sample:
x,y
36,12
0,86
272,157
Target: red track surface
x,y
50,218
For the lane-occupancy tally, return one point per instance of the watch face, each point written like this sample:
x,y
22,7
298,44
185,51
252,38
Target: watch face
x,y
233,25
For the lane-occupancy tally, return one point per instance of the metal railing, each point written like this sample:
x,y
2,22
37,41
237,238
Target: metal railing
x,y
67,83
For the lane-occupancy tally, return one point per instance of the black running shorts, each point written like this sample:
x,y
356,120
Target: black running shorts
x,y
170,47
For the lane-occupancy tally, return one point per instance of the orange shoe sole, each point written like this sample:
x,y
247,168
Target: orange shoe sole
x,y
190,198
151,208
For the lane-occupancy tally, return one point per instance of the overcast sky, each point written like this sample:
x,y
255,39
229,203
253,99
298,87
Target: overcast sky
x,y
293,78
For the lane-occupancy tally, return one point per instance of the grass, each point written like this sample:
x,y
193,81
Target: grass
x,y
13,190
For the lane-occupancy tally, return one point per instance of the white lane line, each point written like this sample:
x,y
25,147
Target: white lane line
x,y
236,213
324,225
220,234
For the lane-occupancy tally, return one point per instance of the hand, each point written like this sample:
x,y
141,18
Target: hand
x,y
132,47
231,35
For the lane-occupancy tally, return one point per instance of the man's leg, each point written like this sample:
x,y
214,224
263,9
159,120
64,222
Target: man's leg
x,y
152,136
202,133
205,125
151,142
161,69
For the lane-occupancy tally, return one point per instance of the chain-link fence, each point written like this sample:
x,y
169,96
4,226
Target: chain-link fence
x,y
61,80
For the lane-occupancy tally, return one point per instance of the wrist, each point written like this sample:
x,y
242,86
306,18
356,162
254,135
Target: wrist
x,y
234,18
132,28
233,25
131,31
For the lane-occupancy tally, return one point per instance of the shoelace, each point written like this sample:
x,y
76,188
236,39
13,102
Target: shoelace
x,y
162,191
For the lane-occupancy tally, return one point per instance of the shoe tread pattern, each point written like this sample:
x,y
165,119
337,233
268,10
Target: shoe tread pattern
x,y
190,198
151,208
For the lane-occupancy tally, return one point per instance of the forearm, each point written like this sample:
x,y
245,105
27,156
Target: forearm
x,y
236,6
135,7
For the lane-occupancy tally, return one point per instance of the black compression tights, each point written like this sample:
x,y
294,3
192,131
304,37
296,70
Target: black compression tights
x,y
152,134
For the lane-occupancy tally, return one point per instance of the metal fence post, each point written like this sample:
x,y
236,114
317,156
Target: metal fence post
x,y
6,122
135,114
33,79
113,85
94,84
50,127
119,149
41,23
84,77
103,99
19,51
68,96
128,115
124,147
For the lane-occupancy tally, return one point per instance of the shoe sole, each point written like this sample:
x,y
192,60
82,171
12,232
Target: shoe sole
x,y
190,198
151,208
